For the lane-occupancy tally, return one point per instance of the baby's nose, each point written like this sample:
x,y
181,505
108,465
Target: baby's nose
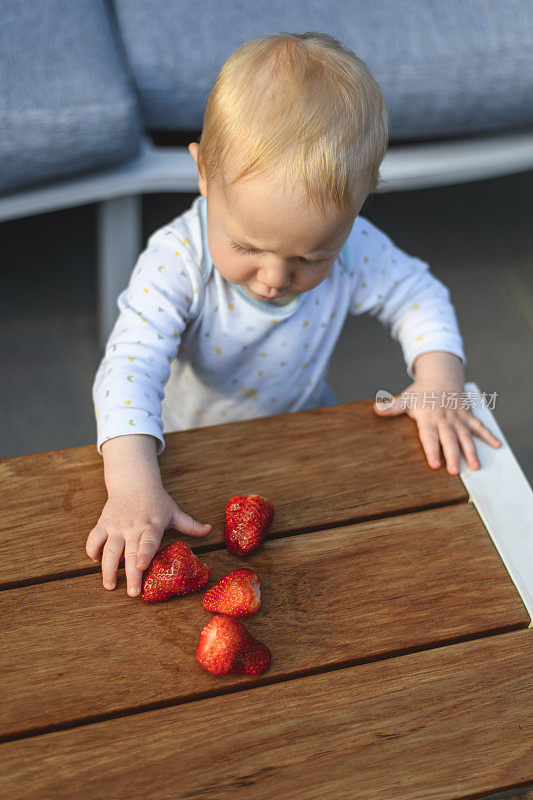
x,y
275,277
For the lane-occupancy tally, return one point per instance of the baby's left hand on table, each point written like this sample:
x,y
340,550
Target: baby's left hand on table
x,y
452,428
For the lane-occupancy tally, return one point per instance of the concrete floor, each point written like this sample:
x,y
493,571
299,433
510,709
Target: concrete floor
x,y
478,239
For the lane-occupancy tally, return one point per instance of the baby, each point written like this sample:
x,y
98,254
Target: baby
x,y
234,308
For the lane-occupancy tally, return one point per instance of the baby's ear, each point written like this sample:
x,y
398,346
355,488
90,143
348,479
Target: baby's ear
x,y
193,150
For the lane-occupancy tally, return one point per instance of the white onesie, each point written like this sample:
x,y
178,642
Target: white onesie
x,y
191,349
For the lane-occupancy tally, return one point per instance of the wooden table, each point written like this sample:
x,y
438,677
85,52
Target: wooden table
x,y
401,650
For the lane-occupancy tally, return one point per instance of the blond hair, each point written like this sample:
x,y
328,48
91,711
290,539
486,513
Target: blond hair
x,y
301,106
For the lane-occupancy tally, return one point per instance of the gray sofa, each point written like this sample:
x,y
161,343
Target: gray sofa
x,y
90,91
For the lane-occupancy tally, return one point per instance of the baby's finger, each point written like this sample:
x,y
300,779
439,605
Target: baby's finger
x,y
186,524
428,434
450,447
110,558
150,541
133,574
95,542
468,446
482,431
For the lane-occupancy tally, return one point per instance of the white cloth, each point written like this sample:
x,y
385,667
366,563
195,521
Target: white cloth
x,y
190,349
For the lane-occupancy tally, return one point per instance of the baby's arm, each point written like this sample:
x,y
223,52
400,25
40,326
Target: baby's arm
x,y
161,299
163,296
137,512
401,291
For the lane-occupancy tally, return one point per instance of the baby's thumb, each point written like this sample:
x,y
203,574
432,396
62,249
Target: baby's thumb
x,y
186,524
388,406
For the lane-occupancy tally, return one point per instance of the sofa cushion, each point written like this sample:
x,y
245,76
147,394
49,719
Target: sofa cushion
x,y
67,103
445,68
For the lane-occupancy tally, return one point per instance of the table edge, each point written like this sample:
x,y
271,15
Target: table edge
x,y
503,497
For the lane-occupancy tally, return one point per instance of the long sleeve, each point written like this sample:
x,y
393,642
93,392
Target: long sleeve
x,y
402,293
163,295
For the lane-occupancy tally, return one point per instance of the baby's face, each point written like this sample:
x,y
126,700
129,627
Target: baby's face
x,y
269,241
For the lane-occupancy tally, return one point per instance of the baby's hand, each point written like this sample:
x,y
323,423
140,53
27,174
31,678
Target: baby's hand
x,y
453,428
134,520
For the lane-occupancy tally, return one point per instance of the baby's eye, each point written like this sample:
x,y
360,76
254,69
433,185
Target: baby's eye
x,y
243,250
248,251
309,261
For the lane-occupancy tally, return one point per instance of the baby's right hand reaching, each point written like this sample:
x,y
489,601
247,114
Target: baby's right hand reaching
x,y
134,520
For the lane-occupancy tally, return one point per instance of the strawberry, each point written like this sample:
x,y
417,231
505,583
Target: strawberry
x,y
226,646
248,520
237,594
174,570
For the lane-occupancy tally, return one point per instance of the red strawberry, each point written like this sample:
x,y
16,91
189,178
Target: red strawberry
x,y
237,594
226,646
174,570
248,520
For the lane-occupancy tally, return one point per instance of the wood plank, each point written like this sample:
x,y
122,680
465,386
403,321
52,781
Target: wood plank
x,y
320,468
71,650
448,723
